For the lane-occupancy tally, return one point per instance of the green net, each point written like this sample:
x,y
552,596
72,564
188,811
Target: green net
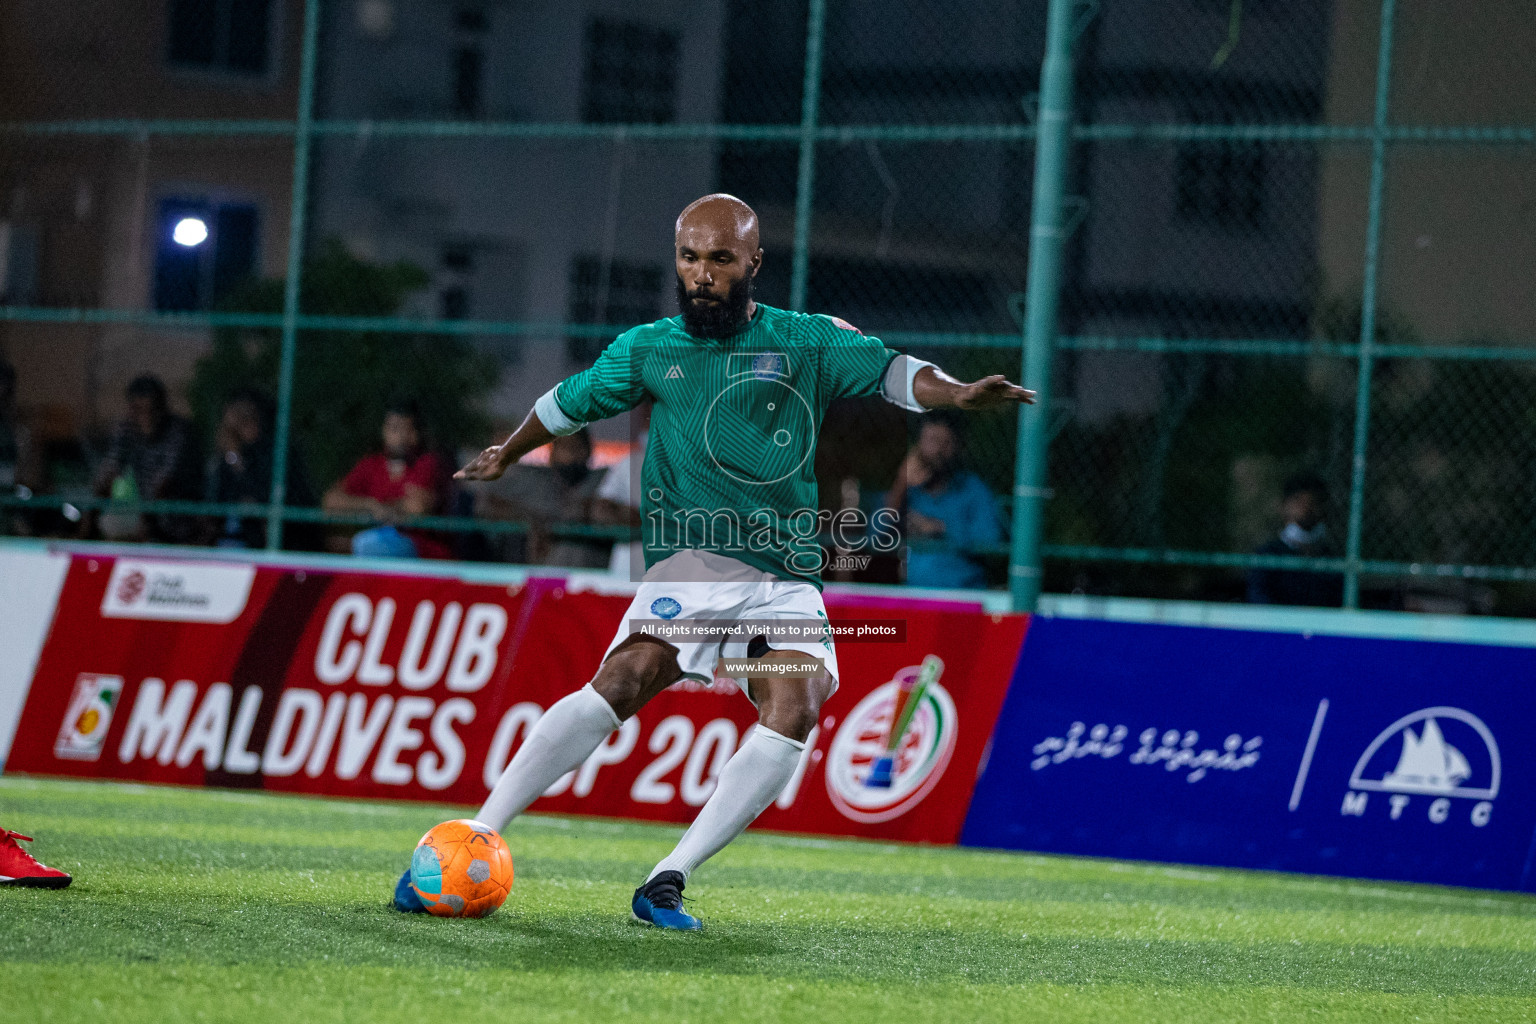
x,y
487,199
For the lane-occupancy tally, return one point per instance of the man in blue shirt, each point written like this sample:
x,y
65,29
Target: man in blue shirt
x,y
941,501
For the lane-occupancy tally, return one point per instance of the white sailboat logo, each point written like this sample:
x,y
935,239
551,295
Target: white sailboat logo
x,y
1427,763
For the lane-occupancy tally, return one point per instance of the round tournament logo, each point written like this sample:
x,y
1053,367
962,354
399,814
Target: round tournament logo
x,y
665,608
873,776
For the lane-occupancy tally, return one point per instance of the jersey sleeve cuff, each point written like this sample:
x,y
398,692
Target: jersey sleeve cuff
x,y
554,419
896,388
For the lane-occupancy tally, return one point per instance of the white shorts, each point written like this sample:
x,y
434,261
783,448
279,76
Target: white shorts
x,y
703,585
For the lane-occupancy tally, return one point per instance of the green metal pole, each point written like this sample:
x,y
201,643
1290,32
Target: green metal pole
x,y
1367,358
1045,246
297,216
805,180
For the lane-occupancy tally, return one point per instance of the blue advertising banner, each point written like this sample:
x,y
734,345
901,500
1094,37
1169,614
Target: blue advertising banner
x,y
1380,758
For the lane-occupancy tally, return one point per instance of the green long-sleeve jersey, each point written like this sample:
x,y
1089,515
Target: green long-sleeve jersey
x,y
730,463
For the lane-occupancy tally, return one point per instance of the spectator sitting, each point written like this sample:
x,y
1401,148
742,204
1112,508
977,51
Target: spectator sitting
x,y
1304,501
240,470
559,493
152,457
941,500
403,480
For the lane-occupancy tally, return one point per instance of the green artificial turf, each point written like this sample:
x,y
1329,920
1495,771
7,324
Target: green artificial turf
x,y
212,905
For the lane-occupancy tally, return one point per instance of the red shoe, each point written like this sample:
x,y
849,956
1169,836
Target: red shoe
x,y
18,867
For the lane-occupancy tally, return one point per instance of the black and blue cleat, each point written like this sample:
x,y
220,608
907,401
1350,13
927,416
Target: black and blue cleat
x,y
406,900
659,902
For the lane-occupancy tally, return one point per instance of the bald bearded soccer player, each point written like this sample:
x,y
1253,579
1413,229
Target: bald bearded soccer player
x,y
739,391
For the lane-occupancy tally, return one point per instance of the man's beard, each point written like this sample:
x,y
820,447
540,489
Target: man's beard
x,y
718,319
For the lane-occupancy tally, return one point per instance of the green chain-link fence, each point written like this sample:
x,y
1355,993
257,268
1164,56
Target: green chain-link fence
x,y
1239,240
1318,174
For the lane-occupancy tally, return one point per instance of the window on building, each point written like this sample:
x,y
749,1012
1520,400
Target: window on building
x,y
619,294
468,74
203,251
453,303
457,268
233,36
466,68
631,73
1221,184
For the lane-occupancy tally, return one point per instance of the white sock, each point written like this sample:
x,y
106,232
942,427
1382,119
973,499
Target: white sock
x,y
563,738
752,779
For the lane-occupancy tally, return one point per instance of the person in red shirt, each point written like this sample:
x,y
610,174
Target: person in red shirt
x,y
403,480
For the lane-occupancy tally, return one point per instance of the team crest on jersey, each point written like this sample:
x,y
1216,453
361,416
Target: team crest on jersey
x,y
665,608
759,366
768,365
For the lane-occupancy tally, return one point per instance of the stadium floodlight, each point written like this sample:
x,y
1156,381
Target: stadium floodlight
x,y
190,232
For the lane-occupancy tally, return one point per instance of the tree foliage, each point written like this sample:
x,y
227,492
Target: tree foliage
x,y
344,379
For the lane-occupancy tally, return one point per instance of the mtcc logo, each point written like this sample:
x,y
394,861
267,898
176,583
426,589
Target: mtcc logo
x,y
1431,757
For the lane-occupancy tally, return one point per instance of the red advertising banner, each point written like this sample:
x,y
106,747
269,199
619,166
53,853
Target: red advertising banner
x,y
419,687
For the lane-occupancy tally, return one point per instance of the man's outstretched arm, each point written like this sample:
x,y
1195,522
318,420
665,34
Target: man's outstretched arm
x,y
493,462
608,387
935,389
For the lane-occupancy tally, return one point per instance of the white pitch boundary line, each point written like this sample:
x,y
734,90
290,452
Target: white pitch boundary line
x,y
1306,757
